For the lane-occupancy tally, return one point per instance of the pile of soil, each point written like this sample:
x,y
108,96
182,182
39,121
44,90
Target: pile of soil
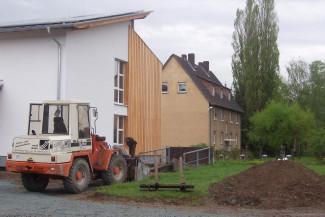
x,y
272,185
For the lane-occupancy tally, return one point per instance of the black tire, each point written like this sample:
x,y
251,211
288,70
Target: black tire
x,y
114,175
78,178
34,182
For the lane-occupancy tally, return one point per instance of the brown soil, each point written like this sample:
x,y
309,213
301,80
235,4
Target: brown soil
x,y
272,185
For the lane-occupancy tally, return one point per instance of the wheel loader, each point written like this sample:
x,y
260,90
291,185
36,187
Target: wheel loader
x,y
60,144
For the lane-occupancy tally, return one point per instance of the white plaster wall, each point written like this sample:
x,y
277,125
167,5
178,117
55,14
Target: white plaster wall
x,y
90,65
28,65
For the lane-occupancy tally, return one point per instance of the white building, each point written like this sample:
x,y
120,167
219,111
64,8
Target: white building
x,y
76,59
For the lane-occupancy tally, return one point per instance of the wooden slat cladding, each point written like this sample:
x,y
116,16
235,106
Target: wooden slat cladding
x,y
143,95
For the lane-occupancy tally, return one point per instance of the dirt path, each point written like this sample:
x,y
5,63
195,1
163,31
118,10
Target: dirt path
x,y
56,190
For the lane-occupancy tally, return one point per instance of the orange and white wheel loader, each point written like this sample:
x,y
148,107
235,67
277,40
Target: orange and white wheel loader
x,y
60,145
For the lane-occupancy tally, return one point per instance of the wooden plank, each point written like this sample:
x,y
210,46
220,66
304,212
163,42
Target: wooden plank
x,y
116,20
144,95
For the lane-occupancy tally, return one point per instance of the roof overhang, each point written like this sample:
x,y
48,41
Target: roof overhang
x,y
1,84
81,22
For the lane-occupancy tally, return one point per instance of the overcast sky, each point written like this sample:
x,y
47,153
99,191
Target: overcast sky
x,y
190,26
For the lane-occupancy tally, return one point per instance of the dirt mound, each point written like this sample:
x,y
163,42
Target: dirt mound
x,y
272,185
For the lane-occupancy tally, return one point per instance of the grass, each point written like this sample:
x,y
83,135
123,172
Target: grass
x,y
200,177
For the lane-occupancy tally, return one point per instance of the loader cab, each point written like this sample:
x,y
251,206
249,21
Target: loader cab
x,y
56,118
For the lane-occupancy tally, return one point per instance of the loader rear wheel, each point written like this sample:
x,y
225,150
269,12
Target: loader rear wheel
x,y
34,182
78,178
117,170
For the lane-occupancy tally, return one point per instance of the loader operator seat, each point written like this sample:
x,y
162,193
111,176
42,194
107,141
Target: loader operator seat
x,y
59,126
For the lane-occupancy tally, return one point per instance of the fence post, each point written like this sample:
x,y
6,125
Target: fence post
x,y
169,155
209,155
197,159
181,170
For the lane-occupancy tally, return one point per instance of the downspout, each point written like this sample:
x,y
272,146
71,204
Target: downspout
x,y
59,63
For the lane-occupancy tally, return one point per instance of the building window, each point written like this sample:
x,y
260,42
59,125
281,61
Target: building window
x,y
214,137
221,114
213,91
164,87
236,139
119,82
221,93
226,128
214,113
230,119
118,130
229,96
221,138
236,118
230,137
181,87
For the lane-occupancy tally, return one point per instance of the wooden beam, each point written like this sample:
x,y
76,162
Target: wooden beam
x,y
116,20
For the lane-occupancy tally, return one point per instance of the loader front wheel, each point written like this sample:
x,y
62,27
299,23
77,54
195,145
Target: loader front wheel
x,y
117,170
78,178
34,182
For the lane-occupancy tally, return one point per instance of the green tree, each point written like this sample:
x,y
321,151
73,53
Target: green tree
x,y
298,82
317,144
317,92
255,61
306,86
281,124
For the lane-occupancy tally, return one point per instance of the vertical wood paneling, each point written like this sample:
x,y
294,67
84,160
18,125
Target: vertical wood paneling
x,y
144,95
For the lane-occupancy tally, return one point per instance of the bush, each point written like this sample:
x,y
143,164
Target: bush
x,y
201,145
317,144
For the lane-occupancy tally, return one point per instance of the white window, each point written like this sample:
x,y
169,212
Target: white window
x,y
230,137
226,128
213,91
236,139
164,87
230,120
236,118
214,113
221,93
119,82
229,96
214,137
118,130
181,87
221,114
221,138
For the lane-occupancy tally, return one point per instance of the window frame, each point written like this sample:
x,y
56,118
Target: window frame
x,y
221,115
117,130
213,91
181,91
221,138
164,83
215,114
230,117
214,137
117,88
237,118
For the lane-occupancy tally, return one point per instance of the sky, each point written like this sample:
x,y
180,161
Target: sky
x,y
202,27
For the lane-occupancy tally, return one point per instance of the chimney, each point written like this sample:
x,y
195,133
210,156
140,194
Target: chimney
x,y
191,58
200,64
184,56
206,65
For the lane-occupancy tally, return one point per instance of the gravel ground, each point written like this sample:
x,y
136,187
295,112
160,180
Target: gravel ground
x,y
55,201
15,201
